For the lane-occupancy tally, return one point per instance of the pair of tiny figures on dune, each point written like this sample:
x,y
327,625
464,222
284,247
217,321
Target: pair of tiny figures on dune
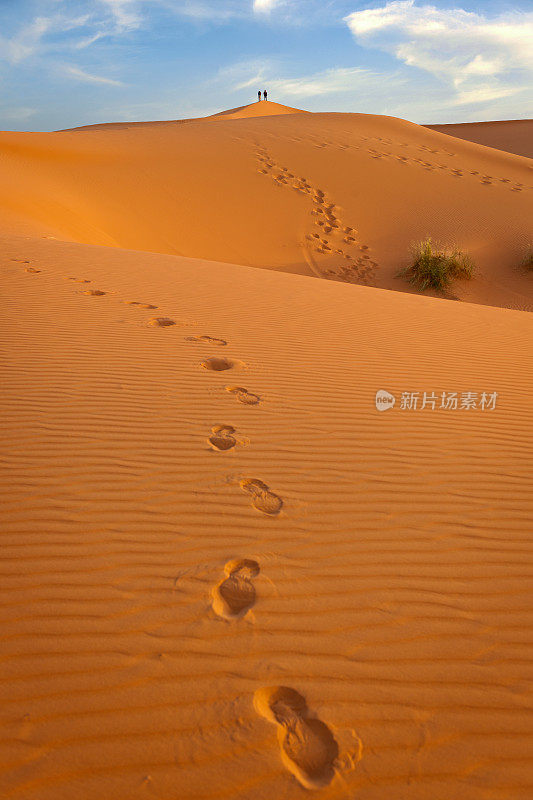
x,y
265,96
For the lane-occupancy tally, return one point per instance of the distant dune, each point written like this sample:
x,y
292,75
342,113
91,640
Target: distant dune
x,y
512,136
226,573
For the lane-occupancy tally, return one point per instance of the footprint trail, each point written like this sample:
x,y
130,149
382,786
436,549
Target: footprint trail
x,y
336,241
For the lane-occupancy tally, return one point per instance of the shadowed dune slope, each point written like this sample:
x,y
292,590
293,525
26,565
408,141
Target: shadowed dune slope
x,y
513,136
340,196
225,574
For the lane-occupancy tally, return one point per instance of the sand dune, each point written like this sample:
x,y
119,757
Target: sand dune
x,y
225,572
341,196
513,136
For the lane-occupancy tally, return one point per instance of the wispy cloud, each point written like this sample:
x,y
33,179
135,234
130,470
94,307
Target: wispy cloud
x,y
331,81
125,13
86,77
25,42
29,39
17,113
355,86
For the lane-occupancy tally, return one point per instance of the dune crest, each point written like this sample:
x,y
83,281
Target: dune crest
x,y
264,108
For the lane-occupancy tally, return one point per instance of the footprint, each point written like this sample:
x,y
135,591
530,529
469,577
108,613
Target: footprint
x,y
222,437
141,305
217,364
262,498
308,748
32,269
235,594
206,340
94,292
243,395
161,322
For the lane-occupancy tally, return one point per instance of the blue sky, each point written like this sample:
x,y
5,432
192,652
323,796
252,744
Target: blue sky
x,y
74,62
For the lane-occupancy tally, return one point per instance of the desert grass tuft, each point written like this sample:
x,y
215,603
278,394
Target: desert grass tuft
x,y
435,266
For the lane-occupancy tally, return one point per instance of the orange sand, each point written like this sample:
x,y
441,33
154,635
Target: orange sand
x,y
225,574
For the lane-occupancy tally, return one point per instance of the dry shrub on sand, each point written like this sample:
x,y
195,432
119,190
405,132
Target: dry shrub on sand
x,y
435,266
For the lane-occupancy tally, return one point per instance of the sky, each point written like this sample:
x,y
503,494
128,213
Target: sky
x,y
65,63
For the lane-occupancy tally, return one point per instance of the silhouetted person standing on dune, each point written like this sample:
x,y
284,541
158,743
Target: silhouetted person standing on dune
x,y
265,95
259,96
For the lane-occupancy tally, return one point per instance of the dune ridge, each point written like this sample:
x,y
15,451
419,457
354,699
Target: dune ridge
x,y
155,610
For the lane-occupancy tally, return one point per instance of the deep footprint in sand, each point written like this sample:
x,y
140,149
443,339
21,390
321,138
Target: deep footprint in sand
x,y
222,437
206,340
243,395
235,594
94,293
32,270
262,498
308,748
161,322
140,305
217,364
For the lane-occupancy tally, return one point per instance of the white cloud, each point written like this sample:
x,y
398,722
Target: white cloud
x,y
264,6
480,58
86,77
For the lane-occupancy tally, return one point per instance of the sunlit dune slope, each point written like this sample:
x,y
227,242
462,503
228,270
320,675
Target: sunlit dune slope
x,y
225,574
340,196
513,136
259,109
